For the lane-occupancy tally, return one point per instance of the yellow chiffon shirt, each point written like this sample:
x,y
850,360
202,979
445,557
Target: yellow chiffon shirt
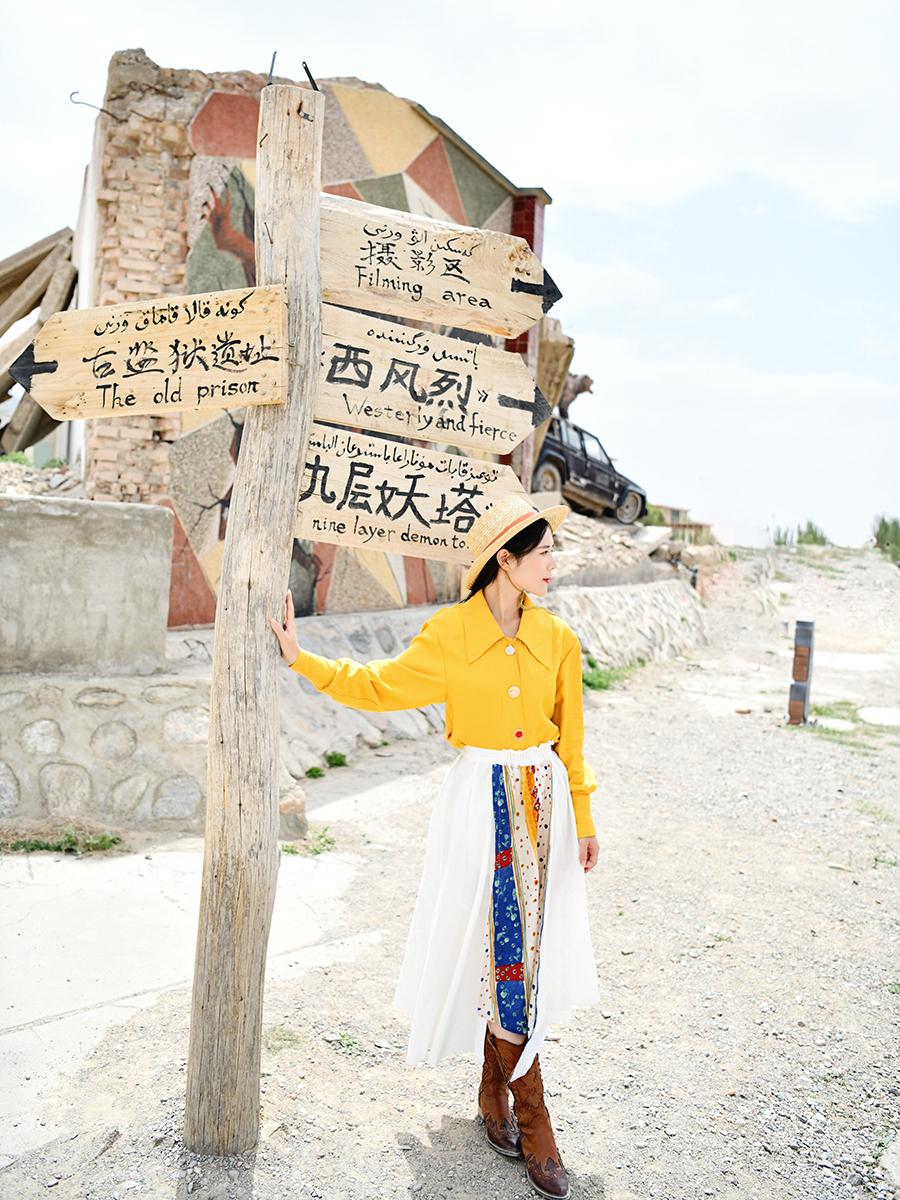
x,y
500,693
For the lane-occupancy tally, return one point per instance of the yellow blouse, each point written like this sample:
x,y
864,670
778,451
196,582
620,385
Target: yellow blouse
x,y
500,693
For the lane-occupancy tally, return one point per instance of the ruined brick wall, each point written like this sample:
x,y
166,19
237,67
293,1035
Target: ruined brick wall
x,y
144,157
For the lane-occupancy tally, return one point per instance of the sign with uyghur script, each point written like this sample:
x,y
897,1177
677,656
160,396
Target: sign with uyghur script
x,y
383,260
388,495
163,356
396,379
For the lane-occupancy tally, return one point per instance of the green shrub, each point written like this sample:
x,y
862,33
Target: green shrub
x,y
17,456
887,536
54,464
314,773
653,516
334,758
783,537
812,535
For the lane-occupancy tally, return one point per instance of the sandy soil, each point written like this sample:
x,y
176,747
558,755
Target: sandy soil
x,y
745,921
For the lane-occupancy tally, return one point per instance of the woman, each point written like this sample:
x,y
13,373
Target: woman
x,y
500,932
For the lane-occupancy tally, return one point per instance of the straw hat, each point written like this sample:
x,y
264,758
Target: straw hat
x,y
504,520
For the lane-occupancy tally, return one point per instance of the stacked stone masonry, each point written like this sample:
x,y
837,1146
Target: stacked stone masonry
x,y
130,751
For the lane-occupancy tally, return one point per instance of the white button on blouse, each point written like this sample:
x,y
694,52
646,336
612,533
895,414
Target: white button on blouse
x,y
510,649
514,691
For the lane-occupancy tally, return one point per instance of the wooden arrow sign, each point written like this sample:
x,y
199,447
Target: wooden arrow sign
x,y
370,491
411,266
180,352
396,379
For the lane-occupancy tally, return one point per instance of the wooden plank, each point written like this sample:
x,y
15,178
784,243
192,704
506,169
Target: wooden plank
x,y
59,290
386,495
393,262
186,352
392,378
30,291
240,861
28,425
18,266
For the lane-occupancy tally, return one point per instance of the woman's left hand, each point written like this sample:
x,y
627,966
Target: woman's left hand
x,y
588,852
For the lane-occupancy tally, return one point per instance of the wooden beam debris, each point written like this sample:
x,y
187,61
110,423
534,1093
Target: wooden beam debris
x,y
28,294
15,269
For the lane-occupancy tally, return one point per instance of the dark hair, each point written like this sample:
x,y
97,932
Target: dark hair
x,y
519,545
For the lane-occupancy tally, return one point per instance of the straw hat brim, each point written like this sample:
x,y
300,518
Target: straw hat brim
x,y
553,516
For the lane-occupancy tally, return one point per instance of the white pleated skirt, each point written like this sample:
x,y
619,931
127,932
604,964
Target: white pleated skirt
x,y
440,980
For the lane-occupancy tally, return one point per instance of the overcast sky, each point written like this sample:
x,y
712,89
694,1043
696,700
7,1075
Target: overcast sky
x,y
726,187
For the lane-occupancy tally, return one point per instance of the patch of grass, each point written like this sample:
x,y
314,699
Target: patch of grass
x,y
599,679
783,537
318,841
875,810
722,937
314,773
278,1037
653,516
68,842
840,708
886,862
894,988
17,456
54,464
345,1044
334,758
289,848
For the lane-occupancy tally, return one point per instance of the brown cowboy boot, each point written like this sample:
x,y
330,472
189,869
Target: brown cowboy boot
x,y
493,1102
542,1159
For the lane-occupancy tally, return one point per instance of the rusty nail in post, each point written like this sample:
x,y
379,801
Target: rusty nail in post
x,y
266,228
263,138
315,86
271,69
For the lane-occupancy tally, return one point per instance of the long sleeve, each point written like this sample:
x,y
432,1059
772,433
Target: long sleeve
x,y
412,679
568,716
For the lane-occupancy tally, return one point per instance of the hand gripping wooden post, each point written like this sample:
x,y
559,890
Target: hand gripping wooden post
x,y
240,863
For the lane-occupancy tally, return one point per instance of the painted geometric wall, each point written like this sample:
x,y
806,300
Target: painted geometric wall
x,y
378,148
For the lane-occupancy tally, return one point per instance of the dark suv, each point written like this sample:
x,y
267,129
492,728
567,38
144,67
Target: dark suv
x,y
573,462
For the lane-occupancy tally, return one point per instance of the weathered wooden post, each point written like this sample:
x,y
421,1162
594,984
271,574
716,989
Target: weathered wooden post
x,y
241,857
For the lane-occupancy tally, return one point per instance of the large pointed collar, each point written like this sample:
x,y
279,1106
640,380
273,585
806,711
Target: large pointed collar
x,y
482,631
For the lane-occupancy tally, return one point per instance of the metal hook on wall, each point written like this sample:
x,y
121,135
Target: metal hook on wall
x,y
86,104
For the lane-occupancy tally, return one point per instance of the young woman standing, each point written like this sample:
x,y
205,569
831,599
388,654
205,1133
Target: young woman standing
x,y
500,931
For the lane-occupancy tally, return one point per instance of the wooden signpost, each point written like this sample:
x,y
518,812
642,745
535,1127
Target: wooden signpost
x,y
169,355
263,347
413,383
412,266
391,496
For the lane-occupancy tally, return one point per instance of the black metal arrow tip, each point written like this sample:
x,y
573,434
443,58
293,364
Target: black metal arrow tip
x,y
548,291
25,368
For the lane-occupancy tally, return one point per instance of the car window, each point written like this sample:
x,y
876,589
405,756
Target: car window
x,y
593,448
571,437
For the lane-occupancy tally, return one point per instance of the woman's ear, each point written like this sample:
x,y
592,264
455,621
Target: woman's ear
x,y
503,559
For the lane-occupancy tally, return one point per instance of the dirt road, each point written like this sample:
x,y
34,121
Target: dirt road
x,y
745,917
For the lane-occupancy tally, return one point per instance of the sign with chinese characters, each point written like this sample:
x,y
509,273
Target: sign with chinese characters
x,y
393,262
216,350
391,496
393,378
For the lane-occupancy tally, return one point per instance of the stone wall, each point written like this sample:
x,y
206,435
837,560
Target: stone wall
x,y
131,752
85,587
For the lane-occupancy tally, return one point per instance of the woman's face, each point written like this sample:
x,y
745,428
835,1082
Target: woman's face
x,y
532,572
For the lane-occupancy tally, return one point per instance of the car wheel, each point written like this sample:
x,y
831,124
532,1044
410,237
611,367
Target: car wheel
x,y
548,478
628,510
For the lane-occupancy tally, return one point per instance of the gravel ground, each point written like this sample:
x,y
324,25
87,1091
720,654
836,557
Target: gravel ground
x,y
745,920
